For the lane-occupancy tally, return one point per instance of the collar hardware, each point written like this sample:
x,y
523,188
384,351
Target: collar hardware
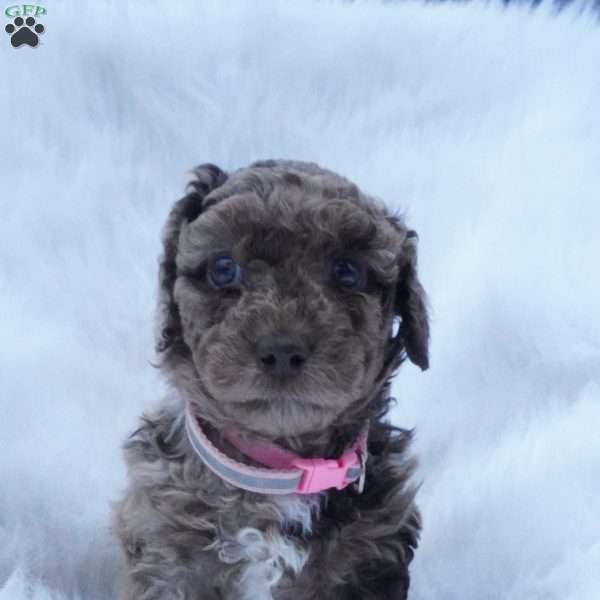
x,y
323,473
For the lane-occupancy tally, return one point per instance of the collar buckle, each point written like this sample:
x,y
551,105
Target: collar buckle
x,y
321,473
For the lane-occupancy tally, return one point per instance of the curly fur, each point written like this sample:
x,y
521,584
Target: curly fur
x,y
187,534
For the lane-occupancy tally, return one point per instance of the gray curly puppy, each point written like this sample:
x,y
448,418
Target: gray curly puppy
x,y
281,286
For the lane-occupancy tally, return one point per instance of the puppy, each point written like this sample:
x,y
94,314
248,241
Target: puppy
x,y
288,299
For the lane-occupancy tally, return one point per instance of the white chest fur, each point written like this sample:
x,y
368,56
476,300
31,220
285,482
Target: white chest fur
x,y
262,556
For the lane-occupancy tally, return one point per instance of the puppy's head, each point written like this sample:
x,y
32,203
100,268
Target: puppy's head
x,y
280,285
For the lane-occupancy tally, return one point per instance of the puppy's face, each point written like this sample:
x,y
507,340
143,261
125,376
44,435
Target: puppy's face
x,y
285,301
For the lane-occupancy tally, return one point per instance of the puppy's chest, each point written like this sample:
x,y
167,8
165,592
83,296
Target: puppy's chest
x,y
258,554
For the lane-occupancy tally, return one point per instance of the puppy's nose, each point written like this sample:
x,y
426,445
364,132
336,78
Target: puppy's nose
x,y
281,355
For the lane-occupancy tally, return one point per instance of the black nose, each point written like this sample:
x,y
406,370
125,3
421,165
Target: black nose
x,y
281,355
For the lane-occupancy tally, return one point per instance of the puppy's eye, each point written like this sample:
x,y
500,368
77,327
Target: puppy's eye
x,y
224,272
347,273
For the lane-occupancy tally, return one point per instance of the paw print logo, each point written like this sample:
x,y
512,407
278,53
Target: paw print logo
x,y
24,32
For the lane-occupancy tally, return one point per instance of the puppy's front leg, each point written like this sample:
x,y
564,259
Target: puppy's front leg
x,y
377,580
162,560
370,538
157,582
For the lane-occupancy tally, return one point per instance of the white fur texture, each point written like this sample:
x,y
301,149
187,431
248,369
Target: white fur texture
x,y
482,123
264,556
299,510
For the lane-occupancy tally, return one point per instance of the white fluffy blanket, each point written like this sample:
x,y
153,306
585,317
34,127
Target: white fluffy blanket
x,y
481,123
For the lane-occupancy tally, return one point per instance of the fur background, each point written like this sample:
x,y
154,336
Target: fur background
x,y
481,122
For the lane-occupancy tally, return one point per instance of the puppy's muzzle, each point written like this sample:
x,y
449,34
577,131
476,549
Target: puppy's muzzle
x,y
281,356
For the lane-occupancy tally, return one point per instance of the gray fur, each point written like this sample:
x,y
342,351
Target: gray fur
x,y
188,535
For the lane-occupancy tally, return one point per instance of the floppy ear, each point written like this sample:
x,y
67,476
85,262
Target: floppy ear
x,y
207,177
410,305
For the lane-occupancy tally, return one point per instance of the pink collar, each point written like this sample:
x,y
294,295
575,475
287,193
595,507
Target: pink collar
x,y
287,472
